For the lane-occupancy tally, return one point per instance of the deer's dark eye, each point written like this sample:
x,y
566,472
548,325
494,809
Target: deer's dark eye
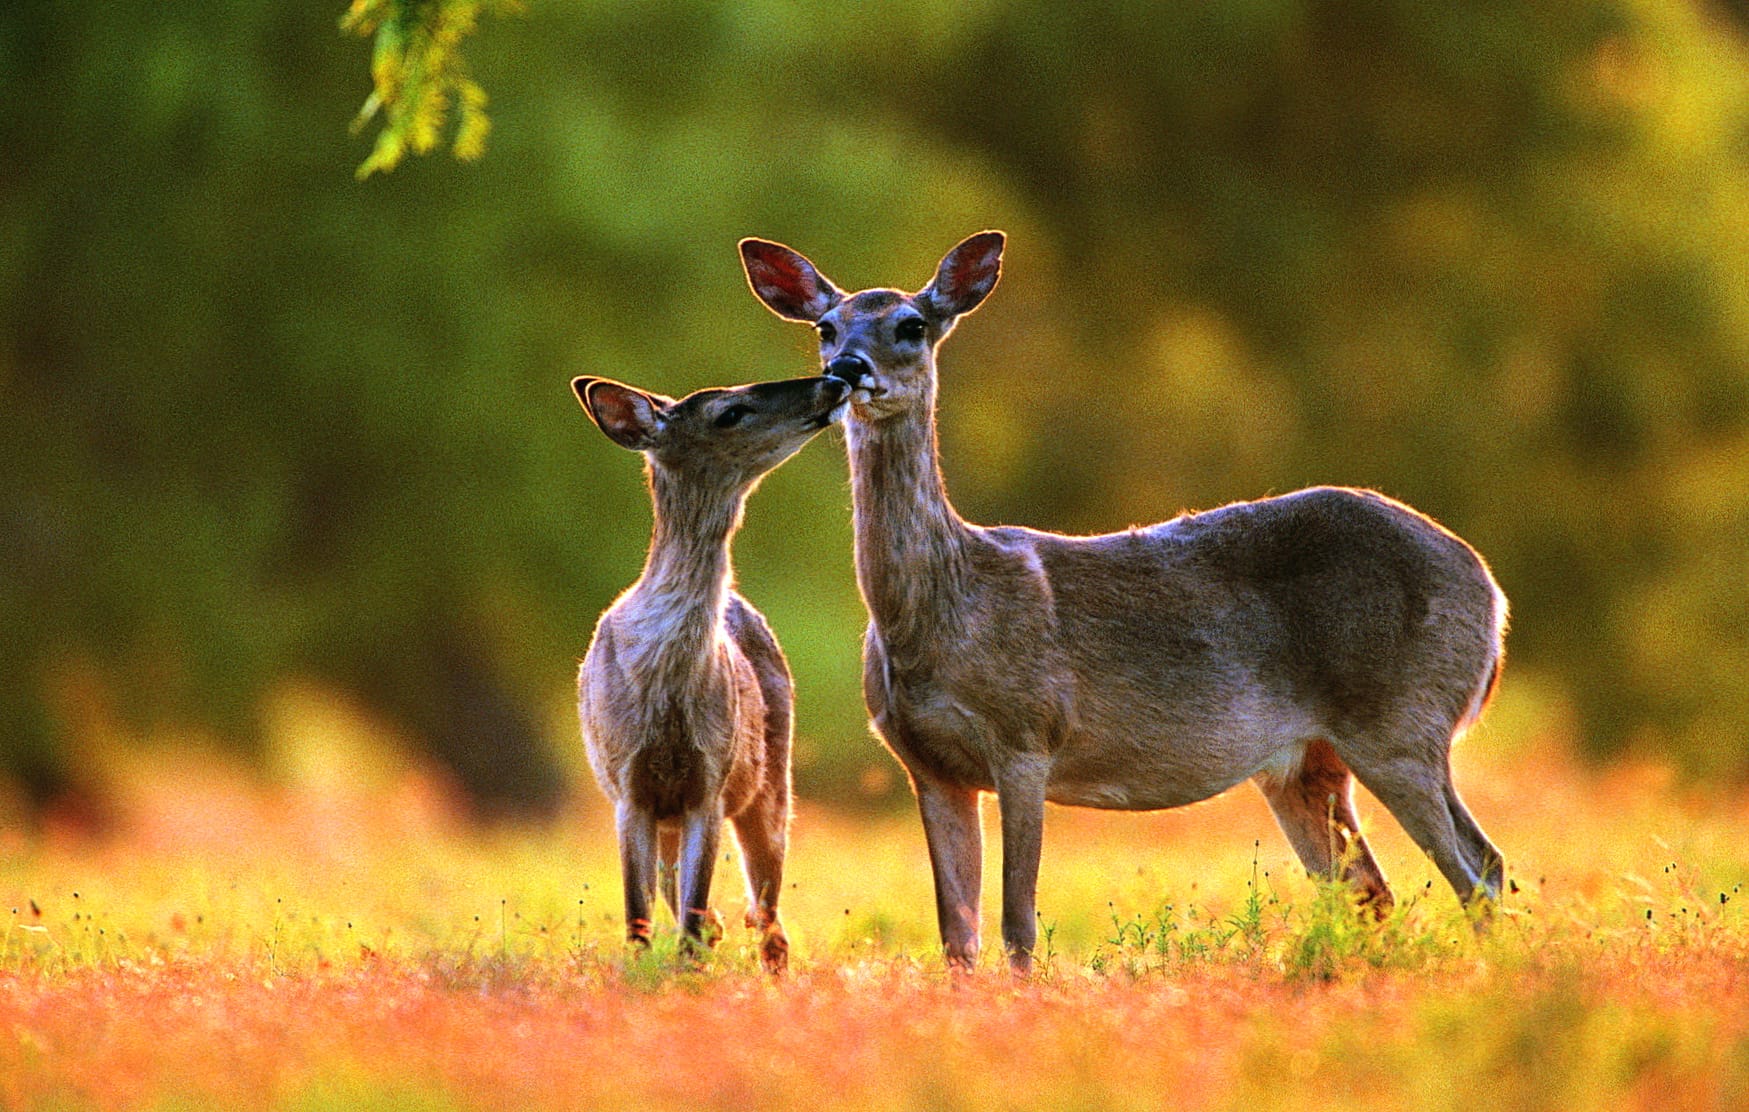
x,y
731,416
827,332
910,330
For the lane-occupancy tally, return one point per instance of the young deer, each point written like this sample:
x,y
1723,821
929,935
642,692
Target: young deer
x,y
684,696
1298,641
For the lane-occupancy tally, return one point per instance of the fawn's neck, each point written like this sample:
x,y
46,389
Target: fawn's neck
x,y
910,544
685,584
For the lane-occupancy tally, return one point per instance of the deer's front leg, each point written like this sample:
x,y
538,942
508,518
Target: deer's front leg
x,y
698,859
637,855
956,856
1020,796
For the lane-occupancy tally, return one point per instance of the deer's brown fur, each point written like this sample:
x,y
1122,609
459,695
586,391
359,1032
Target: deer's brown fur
x,y
1297,641
684,697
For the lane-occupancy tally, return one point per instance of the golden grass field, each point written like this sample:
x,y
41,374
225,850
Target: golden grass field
x,y
335,939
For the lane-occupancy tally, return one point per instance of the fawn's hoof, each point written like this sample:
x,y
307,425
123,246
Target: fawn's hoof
x,y
774,951
704,929
711,929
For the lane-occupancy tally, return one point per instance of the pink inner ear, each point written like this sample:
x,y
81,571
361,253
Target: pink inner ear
x,y
620,412
786,282
970,270
977,266
968,273
781,275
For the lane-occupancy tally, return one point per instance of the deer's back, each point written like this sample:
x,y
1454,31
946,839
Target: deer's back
x,y
1337,597
1340,602
1197,648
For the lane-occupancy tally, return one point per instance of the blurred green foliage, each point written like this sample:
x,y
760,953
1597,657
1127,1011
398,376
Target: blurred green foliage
x,y
418,75
261,422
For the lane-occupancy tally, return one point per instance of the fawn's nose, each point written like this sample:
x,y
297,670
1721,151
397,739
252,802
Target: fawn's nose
x,y
850,368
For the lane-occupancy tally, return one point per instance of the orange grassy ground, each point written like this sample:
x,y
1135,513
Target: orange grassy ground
x,y
338,941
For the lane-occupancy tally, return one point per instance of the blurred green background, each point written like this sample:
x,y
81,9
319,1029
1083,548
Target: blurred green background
x,y
264,424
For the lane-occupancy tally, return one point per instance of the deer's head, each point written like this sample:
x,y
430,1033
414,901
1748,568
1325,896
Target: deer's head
x,y
734,434
880,341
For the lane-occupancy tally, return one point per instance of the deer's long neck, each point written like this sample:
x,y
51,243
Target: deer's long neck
x,y
911,559
685,585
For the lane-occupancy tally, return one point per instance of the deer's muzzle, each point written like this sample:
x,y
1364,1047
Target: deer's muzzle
x,y
852,369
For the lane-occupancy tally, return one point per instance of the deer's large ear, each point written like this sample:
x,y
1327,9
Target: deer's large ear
x,y
630,418
787,282
966,276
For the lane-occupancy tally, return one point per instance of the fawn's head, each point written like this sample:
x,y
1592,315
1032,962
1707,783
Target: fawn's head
x,y
881,341
732,434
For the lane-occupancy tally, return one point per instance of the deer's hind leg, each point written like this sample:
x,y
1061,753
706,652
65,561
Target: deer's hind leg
x,y
1416,788
668,868
763,833
1314,805
1490,863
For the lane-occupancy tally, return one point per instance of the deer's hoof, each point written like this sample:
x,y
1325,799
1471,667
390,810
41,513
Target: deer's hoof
x,y
774,952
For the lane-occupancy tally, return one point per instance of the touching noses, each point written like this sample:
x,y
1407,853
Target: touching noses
x,y
837,389
851,369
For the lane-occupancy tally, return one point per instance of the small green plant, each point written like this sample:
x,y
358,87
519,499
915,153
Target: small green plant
x,y
1247,923
1046,955
1331,933
1336,934
1170,939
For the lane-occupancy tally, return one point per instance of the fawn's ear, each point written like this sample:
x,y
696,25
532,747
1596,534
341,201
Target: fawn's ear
x,y
787,282
630,418
966,276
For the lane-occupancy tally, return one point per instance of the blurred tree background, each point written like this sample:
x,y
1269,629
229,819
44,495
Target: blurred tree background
x,y
262,423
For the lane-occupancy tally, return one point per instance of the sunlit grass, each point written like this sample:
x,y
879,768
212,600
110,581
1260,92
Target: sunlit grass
x,y
336,942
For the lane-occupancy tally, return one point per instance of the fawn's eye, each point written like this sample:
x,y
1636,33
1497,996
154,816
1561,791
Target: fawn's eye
x,y
910,330
731,416
827,332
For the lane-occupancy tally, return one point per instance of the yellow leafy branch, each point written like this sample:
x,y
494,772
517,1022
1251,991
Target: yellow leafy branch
x,y
418,75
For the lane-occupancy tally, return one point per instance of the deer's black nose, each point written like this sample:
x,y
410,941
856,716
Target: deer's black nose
x,y
850,368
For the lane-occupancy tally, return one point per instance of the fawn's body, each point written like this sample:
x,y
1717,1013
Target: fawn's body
x,y
1297,641
684,696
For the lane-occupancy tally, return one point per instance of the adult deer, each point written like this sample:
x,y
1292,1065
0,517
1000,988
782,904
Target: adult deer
x,y
684,696
1298,641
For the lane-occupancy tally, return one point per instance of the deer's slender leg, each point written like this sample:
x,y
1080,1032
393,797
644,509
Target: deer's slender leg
x,y
1414,791
1020,797
762,834
668,865
1486,859
637,850
956,856
1314,804
699,838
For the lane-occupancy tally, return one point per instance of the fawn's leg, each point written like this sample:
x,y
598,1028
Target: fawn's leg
x,y
1020,797
637,855
699,837
668,868
1314,805
956,856
762,830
